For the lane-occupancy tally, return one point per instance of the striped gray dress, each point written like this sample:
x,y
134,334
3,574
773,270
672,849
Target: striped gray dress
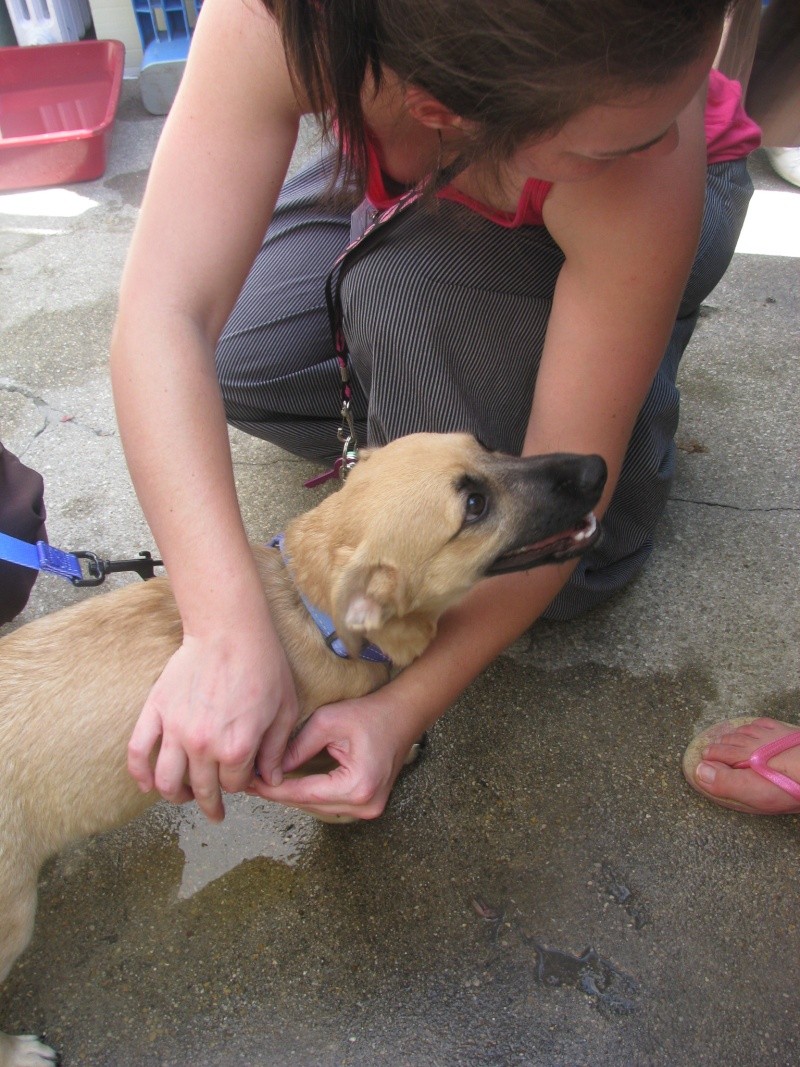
x,y
445,320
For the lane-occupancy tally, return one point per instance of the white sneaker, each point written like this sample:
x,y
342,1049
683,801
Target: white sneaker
x,y
786,162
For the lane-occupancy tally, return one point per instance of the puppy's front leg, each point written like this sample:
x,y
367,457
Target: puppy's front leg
x,y
17,910
25,1051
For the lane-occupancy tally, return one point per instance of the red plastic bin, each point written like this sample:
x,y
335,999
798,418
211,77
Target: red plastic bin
x,y
57,109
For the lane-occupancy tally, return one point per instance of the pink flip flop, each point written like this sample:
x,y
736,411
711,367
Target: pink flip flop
x,y
757,762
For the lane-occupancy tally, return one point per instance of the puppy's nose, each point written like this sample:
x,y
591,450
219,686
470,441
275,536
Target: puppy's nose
x,y
584,476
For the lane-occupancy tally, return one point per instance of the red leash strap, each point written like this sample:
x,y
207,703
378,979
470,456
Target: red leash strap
x,y
333,299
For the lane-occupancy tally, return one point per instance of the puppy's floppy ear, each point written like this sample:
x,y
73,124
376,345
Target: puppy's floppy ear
x,y
366,597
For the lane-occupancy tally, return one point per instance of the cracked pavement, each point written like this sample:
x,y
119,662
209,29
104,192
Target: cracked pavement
x,y
544,889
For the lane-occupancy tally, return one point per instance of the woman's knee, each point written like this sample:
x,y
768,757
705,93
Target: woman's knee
x,y
728,192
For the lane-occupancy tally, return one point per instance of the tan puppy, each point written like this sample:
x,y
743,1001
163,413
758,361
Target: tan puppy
x,y
416,525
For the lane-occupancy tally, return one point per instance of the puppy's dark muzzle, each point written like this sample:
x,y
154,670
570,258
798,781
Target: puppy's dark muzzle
x,y
557,494
581,477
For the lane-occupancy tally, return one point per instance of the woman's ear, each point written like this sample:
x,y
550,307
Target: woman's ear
x,y
428,111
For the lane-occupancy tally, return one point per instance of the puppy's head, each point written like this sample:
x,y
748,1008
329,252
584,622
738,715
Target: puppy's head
x,y
421,520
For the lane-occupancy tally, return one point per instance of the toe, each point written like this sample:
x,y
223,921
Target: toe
x,y
741,789
735,741
733,751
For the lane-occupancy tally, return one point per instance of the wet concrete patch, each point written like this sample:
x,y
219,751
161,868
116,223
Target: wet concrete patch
x,y
612,991
252,829
130,186
76,344
359,941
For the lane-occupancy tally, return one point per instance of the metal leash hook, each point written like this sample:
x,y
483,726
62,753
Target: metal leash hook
x,y
347,431
347,435
144,565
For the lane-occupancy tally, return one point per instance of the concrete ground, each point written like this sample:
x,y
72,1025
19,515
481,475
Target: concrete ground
x,y
544,889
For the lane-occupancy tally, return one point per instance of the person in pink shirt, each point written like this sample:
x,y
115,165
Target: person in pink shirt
x,y
761,49
587,182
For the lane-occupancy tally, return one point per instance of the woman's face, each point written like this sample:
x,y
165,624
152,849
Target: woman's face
x,y
642,125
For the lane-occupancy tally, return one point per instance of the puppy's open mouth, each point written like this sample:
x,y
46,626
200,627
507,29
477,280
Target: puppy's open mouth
x,y
554,549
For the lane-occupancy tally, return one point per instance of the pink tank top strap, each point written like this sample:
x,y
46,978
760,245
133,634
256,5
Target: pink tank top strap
x,y
730,134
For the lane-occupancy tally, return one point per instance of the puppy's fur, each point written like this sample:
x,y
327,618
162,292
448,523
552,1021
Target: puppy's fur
x,y
416,525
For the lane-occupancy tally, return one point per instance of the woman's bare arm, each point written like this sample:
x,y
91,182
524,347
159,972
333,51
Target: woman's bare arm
x,y
213,185
629,238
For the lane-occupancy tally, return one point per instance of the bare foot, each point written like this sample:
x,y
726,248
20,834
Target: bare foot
x,y
709,766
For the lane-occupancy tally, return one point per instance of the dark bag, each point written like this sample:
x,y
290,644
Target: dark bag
x,y
22,515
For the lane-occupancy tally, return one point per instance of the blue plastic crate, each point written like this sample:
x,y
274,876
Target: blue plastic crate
x,y
165,29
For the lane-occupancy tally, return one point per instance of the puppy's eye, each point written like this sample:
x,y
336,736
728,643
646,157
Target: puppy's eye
x,y
475,507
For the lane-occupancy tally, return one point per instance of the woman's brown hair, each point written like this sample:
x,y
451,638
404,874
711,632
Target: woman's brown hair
x,y
516,69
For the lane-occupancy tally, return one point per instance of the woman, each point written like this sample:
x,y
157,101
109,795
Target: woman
x,y
541,301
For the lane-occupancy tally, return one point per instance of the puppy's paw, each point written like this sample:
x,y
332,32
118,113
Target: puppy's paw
x,y
416,751
25,1051
342,819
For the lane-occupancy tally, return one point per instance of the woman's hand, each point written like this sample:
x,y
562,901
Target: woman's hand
x,y
359,735
371,736
223,705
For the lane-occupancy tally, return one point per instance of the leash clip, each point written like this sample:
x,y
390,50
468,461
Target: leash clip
x,y
347,435
144,565
348,460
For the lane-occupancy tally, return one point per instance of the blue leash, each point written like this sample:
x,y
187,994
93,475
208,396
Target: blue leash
x,y
40,557
49,560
